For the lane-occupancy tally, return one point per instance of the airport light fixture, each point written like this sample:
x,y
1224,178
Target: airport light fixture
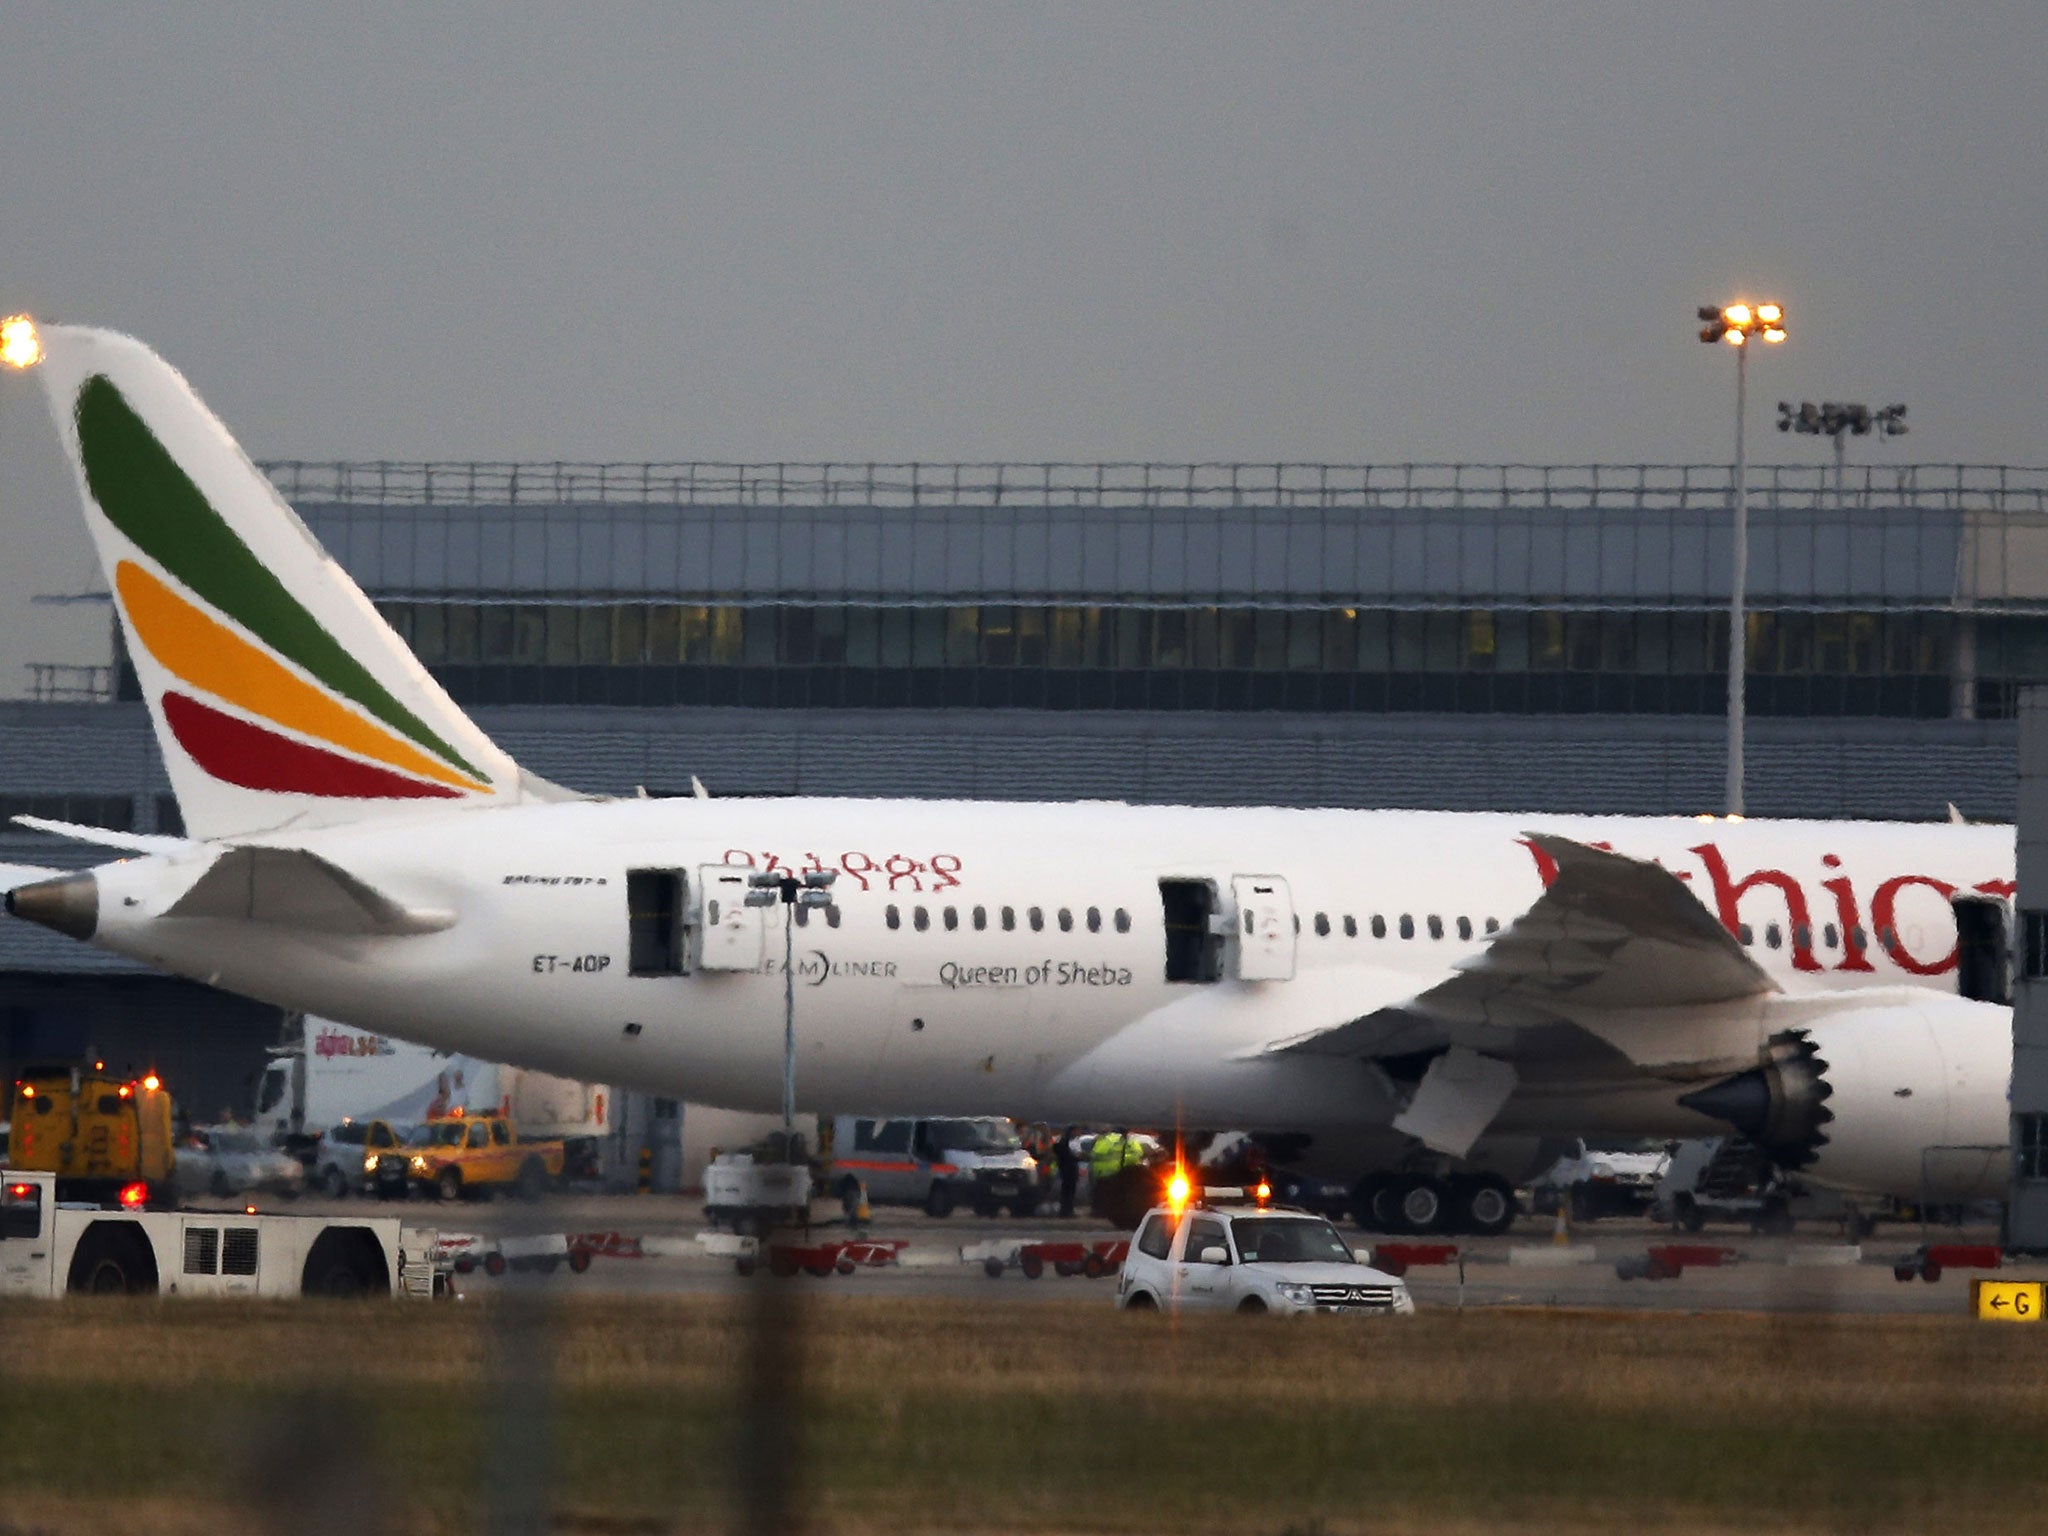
x,y
1736,325
1841,420
20,346
813,888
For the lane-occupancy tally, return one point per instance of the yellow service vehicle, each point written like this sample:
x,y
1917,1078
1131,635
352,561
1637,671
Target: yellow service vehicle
x,y
475,1154
105,1139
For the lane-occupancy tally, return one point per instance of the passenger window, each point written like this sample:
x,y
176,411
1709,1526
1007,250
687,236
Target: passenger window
x,y
1464,927
952,918
1772,937
892,916
1322,925
500,1137
1407,926
1379,926
1037,917
980,918
1493,925
1066,920
920,919
1123,921
1095,919
1009,919
1350,926
1857,941
803,917
478,1136
1747,935
1802,936
832,916
1155,1241
1829,937
1436,926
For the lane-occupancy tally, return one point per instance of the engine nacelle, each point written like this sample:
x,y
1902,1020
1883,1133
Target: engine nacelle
x,y
1906,1098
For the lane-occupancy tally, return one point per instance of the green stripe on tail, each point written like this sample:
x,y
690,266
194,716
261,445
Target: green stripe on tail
x,y
149,498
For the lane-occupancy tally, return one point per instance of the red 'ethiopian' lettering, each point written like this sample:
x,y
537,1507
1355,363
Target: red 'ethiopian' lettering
x,y
1884,907
1728,896
1855,953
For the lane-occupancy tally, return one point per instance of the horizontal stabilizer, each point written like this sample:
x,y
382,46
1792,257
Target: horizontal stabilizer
x,y
105,837
296,889
12,875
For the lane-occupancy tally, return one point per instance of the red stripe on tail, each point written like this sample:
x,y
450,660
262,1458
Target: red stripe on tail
x,y
240,753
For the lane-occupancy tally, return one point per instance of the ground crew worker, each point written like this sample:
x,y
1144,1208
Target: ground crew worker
x,y
1113,1152
1067,1160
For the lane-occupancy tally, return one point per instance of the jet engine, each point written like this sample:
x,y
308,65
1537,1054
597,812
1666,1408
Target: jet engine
x,y
1906,1099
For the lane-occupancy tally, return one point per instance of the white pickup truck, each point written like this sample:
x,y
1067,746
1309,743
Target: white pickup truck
x,y
48,1249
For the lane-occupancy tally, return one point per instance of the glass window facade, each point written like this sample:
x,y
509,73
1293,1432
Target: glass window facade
x,y
1010,656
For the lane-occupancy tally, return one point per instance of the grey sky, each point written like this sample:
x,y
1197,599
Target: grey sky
x,y
1364,232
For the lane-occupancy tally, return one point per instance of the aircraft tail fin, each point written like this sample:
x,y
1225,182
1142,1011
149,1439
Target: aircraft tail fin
x,y
279,694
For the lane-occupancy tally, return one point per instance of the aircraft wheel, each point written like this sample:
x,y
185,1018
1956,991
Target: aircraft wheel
x,y
449,1184
1487,1204
334,1183
1369,1202
1422,1203
938,1201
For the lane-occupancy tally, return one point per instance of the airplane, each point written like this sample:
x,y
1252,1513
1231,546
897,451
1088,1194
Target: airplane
x,y
1418,1003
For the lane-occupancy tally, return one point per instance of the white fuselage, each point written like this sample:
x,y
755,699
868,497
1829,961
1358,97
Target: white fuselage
x,y
1010,958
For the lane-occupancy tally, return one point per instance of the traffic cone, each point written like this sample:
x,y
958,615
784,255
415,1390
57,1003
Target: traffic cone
x,y
861,1214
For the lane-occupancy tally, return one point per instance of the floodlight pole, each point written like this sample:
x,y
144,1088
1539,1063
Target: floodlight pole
x,y
1738,637
792,893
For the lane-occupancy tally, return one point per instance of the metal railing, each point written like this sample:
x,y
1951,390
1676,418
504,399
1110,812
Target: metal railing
x,y
52,682
1934,487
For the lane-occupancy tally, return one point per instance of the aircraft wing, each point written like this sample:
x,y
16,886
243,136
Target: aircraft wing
x,y
297,889
1613,942
1615,965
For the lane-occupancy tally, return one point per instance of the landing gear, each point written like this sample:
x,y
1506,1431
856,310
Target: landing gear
x,y
1427,1204
1423,1204
1485,1204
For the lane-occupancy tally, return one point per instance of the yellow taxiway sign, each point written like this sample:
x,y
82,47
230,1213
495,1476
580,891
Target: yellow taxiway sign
x,y
2009,1301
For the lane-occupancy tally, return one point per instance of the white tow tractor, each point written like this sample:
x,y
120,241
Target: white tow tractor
x,y
50,1249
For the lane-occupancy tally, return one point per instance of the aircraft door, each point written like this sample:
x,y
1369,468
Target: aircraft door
x,y
1265,928
730,934
1983,948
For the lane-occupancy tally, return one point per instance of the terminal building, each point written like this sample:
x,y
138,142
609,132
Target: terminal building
x,y
1536,638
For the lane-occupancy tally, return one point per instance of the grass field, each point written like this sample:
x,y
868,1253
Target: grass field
x,y
170,1417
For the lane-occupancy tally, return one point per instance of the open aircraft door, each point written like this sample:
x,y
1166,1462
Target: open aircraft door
x,y
1265,928
731,934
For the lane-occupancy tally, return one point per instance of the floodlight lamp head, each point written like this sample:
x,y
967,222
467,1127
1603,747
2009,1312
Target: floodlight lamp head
x,y
20,346
1774,334
1737,314
1735,338
1771,314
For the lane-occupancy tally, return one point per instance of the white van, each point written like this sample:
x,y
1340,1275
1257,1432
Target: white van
x,y
935,1163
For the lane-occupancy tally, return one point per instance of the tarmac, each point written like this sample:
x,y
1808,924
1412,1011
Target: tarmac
x,y
654,1245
